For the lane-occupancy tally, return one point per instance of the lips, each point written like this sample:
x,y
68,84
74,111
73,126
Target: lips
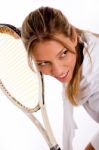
x,y
62,77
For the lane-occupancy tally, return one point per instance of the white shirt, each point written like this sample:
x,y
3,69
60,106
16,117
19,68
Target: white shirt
x,y
89,91
68,123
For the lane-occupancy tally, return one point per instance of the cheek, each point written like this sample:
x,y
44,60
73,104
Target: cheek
x,y
45,70
72,61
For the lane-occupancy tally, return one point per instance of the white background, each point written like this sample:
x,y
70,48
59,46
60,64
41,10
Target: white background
x,y
16,131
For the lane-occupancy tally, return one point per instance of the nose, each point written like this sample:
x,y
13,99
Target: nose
x,y
57,69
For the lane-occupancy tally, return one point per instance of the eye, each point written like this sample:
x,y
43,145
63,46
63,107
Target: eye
x,y
64,53
41,64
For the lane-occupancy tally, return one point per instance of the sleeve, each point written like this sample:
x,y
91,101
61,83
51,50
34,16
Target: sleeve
x,y
92,106
92,103
89,88
90,93
95,141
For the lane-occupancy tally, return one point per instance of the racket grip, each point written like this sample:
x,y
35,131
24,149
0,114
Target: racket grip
x,y
56,147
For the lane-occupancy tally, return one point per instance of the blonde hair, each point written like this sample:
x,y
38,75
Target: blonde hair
x,y
43,24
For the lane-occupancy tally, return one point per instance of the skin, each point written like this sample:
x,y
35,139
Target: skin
x,y
54,59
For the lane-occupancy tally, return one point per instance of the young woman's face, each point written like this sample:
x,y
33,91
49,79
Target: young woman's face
x,y
54,59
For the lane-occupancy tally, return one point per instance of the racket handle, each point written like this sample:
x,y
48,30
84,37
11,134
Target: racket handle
x,y
56,147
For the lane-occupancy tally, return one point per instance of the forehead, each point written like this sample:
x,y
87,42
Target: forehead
x,y
46,49
51,46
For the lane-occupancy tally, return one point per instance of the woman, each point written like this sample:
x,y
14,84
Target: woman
x,y
71,56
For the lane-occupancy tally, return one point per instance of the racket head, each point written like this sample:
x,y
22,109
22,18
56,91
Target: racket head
x,y
22,85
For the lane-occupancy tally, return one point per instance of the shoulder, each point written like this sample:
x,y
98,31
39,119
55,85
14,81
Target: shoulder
x,y
89,37
90,67
91,54
91,41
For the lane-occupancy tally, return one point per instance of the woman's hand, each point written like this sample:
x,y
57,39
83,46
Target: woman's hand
x,y
89,147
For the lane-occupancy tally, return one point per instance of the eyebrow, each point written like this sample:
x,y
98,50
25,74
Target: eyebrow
x,y
42,61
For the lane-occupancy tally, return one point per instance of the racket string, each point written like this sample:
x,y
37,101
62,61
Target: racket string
x,y
19,83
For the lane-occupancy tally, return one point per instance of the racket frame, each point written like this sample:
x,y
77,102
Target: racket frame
x,y
47,132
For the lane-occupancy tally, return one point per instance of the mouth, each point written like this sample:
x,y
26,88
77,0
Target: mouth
x,y
62,78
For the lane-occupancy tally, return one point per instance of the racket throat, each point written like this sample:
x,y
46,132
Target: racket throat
x,y
56,147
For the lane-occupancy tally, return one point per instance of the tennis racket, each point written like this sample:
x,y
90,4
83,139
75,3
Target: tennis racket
x,y
23,86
